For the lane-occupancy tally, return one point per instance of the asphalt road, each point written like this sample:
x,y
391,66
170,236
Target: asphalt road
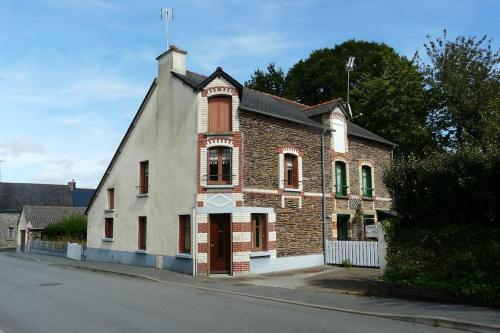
x,y
36,297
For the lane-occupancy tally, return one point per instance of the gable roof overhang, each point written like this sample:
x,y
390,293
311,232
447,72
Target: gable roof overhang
x,y
122,143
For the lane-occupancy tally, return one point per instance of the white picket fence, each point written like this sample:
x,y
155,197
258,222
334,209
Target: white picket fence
x,y
359,253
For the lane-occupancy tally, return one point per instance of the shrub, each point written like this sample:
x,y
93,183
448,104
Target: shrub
x,y
72,229
447,235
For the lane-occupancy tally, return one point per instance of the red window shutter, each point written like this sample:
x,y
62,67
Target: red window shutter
x,y
295,172
219,115
182,220
142,233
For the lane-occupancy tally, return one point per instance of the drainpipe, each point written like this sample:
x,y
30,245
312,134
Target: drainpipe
x,y
194,241
323,188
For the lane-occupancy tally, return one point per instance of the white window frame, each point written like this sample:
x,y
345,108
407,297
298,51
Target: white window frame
x,y
281,177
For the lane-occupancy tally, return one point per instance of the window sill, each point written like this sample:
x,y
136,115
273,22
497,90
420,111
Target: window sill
x,y
291,189
219,186
341,196
143,195
109,210
107,240
368,198
184,256
141,252
260,254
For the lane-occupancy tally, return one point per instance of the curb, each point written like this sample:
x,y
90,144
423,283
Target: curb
x,y
423,320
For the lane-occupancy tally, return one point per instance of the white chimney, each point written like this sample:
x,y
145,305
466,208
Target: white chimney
x,y
174,59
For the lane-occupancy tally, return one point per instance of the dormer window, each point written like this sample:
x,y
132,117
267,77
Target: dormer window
x,y
219,114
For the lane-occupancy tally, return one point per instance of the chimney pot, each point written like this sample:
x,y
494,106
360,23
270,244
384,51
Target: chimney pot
x,y
72,185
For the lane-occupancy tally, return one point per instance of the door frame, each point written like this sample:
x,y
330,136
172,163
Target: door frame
x,y
230,236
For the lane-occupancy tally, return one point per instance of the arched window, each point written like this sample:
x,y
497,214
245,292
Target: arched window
x,y
219,161
340,178
291,171
366,181
219,114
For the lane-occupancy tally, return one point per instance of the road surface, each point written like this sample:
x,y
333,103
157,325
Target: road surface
x,y
36,297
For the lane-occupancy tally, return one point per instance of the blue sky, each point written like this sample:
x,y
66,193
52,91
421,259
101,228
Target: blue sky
x,y
73,72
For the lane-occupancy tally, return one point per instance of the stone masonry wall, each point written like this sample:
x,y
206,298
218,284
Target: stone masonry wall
x,y
8,220
299,222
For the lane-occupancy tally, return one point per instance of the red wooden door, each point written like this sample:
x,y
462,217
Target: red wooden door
x,y
219,115
220,246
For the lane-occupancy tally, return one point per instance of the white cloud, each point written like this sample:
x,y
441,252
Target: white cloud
x,y
17,147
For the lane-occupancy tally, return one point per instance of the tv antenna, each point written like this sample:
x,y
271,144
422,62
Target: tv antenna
x,y
349,67
167,16
1,161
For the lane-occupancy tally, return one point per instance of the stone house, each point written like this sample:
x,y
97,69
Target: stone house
x,y
212,177
13,196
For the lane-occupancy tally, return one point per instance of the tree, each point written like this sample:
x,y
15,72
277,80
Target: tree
x,y
323,77
271,82
462,85
393,105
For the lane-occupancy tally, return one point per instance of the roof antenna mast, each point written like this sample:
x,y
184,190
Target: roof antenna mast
x,y
167,16
349,67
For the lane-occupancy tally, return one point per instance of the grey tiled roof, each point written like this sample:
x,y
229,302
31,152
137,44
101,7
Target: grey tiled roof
x,y
42,216
274,106
13,196
356,130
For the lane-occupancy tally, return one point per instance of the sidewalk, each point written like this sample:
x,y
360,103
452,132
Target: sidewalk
x,y
299,288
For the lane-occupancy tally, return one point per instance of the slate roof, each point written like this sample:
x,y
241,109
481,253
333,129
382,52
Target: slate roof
x,y
42,216
274,106
82,196
13,196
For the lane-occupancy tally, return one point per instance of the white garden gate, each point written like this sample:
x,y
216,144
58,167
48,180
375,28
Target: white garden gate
x,y
358,253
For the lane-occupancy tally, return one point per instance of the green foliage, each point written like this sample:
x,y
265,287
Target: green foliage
x,y
322,76
393,105
72,229
461,259
443,187
448,233
463,90
272,81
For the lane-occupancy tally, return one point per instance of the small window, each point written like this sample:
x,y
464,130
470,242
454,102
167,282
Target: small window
x,y
142,233
259,232
144,177
111,198
291,171
11,233
340,179
219,169
108,227
366,181
219,114
185,234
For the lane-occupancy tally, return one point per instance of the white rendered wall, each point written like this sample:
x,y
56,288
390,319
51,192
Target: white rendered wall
x,y
165,134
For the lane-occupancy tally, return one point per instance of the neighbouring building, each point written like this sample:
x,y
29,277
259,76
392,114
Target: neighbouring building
x,y
13,196
212,177
38,218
